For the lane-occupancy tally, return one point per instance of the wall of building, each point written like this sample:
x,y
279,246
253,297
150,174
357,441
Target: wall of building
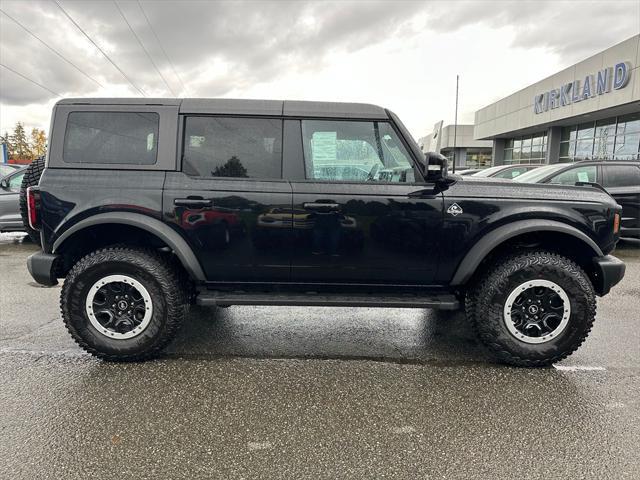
x,y
516,113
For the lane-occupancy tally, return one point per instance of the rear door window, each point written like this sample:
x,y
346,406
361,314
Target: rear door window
x,y
583,173
233,147
111,138
622,176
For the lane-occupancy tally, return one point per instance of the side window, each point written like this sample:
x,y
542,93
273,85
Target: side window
x,y
585,173
16,181
622,176
355,152
511,173
111,138
233,147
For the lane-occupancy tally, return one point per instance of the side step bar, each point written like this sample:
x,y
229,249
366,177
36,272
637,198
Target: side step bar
x,y
440,302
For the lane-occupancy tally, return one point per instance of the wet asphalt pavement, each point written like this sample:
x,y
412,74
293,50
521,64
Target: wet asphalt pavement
x,y
280,392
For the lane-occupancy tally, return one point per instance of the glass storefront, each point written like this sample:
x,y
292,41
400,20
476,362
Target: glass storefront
x,y
615,138
528,149
478,157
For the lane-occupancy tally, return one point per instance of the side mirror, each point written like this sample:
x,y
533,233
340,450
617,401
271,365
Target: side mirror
x,y
435,167
4,183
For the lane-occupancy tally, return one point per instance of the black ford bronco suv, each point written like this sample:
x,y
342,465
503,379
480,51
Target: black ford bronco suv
x,y
146,206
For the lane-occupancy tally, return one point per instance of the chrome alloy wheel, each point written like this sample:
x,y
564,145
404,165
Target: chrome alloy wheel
x,y
537,311
119,307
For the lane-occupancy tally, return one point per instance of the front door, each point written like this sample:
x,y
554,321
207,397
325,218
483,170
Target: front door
x,y
229,201
355,220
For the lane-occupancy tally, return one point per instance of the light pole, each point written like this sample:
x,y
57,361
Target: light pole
x,y
455,126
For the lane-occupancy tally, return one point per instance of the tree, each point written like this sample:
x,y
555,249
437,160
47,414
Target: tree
x,y
38,143
19,143
232,168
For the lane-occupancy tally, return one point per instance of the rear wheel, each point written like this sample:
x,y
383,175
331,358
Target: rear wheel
x,y
123,304
533,309
31,179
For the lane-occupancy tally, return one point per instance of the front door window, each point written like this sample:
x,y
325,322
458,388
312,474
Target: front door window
x,y
350,151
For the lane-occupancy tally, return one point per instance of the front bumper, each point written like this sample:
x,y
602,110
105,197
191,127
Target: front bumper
x,y
608,271
42,267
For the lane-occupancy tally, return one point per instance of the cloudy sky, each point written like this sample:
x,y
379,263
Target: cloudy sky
x,y
403,55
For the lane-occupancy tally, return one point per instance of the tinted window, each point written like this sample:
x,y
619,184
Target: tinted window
x,y
511,172
16,181
111,137
622,176
233,147
354,151
586,173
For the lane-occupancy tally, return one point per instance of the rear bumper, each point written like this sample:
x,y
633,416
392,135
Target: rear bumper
x,y
608,270
42,268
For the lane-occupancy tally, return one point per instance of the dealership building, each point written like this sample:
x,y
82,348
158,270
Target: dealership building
x,y
458,142
590,110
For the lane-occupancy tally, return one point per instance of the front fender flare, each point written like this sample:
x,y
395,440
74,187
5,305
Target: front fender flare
x,y
489,241
169,236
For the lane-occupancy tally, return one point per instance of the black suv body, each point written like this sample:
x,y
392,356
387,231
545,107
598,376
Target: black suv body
x,y
621,179
146,206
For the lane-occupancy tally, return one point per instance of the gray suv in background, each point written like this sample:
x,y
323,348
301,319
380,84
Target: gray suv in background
x,y
10,219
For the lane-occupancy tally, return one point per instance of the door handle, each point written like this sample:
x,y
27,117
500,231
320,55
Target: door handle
x,y
193,202
318,206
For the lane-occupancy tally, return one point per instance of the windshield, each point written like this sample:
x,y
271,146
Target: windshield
x,y
487,172
537,174
6,170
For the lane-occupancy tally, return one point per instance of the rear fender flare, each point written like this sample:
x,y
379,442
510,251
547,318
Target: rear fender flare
x,y
165,233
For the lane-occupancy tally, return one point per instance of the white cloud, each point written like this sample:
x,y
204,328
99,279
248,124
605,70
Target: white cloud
x,y
403,55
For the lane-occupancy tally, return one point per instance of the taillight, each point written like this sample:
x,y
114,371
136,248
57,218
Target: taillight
x,y
616,223
33,205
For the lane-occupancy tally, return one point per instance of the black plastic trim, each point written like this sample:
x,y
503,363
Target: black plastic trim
x,y
42,266
441,302
178,244
495,237
609,270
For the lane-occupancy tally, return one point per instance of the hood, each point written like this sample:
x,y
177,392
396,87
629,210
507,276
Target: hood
x,y
483,187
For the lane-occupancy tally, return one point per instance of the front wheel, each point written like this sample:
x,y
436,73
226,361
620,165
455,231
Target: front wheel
x,y
533,309
123,304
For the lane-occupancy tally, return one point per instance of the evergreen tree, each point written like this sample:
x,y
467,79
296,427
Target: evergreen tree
x,y
19,143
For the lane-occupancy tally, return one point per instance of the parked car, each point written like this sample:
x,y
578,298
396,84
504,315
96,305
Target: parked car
x,y
7,168
525,261
10,219
506,171
620,178
468,171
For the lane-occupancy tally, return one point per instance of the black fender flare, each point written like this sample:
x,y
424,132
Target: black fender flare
x,y
495,237
169,236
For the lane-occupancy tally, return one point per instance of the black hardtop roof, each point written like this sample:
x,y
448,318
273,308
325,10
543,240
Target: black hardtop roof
x,y
232,106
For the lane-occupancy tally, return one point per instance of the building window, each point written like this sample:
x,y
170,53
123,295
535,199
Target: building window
x,y
478,158
529,149
610,139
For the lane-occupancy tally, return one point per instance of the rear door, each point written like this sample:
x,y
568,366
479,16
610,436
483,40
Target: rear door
x,y
230,200
623,183
354,219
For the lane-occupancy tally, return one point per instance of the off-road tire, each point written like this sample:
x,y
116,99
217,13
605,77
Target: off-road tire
x,y
30,179
485,304
161,279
